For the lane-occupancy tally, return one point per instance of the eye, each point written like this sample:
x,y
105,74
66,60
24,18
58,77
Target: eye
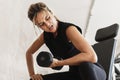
x,y
40,24
48,17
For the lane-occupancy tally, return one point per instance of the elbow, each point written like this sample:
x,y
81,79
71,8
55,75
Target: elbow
x,y
94,58
28,53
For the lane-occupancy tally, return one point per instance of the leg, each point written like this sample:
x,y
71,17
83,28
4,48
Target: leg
x,y
90,71
61,76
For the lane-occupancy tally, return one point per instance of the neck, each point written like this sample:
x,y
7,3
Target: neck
x,y
55,34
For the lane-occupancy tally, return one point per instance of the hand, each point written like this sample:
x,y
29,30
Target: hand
x,y
55,63
36,77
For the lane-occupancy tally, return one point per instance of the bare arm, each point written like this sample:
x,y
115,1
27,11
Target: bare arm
x,y
87,53
31,50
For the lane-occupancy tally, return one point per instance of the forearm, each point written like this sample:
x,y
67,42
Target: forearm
x,y
29,60
77,59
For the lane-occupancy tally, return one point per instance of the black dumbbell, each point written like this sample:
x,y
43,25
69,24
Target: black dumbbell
x,y
44,59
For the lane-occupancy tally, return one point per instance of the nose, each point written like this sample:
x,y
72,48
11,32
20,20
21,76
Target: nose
x,y
47,24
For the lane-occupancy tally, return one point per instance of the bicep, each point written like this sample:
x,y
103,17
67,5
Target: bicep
x,y
78,40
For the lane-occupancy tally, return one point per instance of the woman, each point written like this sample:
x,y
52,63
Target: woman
x,y
66,41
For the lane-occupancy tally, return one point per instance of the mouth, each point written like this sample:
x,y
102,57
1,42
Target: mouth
x,y
51,28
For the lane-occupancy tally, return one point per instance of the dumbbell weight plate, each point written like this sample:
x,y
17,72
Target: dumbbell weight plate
x,y
44,59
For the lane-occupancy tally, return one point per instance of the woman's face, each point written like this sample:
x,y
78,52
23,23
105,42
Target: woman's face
x,y
46,21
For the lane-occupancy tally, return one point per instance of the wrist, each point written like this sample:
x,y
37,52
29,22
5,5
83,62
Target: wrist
x,y
61,63
31,74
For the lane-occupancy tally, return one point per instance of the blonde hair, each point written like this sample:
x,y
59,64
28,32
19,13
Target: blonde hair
x,y
35,8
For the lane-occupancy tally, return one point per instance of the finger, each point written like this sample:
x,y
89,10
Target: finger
x,y
32,78
40,76
55,59
37,77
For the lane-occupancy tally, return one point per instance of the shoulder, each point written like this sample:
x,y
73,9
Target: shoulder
x,y
74,35
66,25
72,30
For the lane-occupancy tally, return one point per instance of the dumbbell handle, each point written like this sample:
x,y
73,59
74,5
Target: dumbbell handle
x,y
57,68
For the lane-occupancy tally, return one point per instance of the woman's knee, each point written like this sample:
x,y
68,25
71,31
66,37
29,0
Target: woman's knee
x,y
91,70
86,65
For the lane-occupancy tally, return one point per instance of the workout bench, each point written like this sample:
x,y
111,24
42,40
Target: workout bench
x,y
105,48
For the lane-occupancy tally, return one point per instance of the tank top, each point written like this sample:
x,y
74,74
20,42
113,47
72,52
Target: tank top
x,y
59,46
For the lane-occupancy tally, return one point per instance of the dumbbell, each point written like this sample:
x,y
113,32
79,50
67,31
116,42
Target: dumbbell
x,y
45,59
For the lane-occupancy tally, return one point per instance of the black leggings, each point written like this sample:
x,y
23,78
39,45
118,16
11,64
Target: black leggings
x,y
85,71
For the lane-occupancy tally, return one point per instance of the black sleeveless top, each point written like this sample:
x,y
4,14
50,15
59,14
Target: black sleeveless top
x,y
59,45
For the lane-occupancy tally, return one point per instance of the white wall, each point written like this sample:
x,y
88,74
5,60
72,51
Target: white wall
x,y
17,32
103,14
